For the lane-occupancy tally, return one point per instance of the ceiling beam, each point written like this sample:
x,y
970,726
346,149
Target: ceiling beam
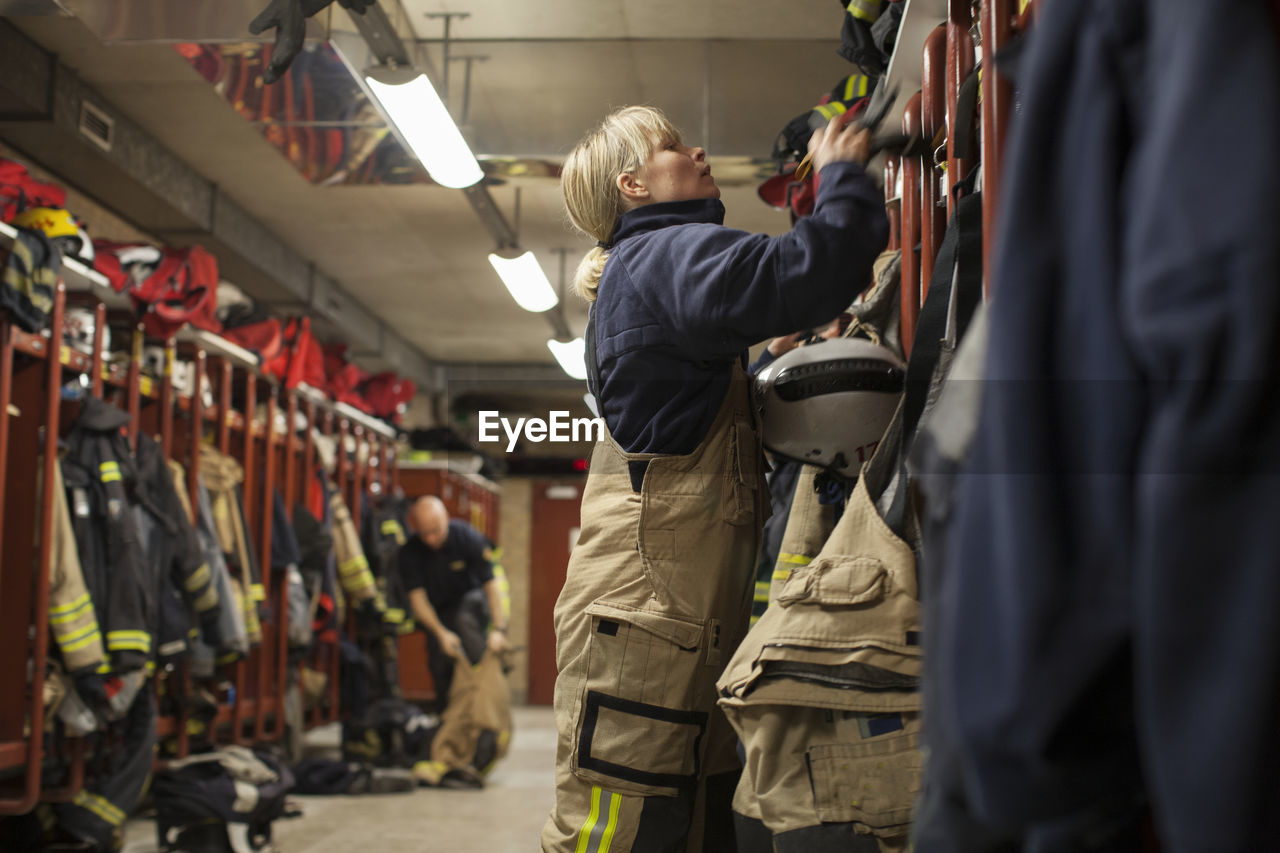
x,y
462,379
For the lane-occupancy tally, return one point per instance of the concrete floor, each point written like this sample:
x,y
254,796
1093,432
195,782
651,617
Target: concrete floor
x,y
506,817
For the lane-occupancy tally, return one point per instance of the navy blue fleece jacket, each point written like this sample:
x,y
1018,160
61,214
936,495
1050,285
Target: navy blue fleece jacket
x,y
682,297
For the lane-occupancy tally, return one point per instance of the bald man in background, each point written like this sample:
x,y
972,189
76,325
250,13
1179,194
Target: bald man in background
x,y
454,596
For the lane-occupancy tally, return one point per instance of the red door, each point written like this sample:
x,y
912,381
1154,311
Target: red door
x,y
556,511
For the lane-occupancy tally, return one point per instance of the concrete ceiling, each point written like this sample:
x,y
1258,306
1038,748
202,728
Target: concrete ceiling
x,y
730,74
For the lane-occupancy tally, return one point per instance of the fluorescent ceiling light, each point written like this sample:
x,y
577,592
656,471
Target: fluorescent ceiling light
x,y
420,118
528,284
572,356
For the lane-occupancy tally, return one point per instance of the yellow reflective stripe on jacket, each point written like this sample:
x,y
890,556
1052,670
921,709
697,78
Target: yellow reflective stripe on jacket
x,y
596,835
129,640
358,587
100,806
109,472
91,636
206,601
78,634
75,604
85,609
831,110
797,559
394,615
23,273
865,10
855,87
353,565
257,592
198,578
392,528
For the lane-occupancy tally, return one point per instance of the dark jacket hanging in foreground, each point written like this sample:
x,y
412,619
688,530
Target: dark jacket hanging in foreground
x,y
1108,600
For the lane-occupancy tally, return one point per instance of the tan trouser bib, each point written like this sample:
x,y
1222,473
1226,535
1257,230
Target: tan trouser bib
x,y
824,691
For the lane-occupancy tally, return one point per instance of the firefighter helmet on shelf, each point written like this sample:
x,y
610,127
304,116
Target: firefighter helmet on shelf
x,y
76,247
61,228
78,324
153,360
829,403
53,221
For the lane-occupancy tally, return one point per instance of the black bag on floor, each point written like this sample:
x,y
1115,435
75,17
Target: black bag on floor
x,y
203,791
391,733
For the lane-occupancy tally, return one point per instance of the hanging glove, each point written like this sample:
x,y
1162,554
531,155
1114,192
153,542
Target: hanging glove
x,y
288,18
369,617
92,689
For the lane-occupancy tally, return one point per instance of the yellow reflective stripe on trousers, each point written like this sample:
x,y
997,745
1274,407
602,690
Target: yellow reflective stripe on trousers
x,y
596,836
762,591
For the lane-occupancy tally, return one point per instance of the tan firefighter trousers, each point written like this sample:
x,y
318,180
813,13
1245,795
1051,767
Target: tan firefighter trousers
x,y
657,597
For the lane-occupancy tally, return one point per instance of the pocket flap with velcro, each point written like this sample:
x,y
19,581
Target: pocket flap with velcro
x,y
684,633
837,581
895,660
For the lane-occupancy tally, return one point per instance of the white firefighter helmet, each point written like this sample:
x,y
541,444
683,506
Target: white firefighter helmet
x,y
153,358
77,329
829,403
78,247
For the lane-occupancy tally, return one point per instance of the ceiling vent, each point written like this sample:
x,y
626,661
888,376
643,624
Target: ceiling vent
x,y
96,126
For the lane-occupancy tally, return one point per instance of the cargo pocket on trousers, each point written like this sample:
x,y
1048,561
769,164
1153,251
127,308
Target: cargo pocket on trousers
x,y
873,783
743,475
639,731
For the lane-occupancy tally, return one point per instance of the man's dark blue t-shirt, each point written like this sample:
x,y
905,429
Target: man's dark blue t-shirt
x,y
449,573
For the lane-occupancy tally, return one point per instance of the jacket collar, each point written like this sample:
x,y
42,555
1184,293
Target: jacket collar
x,y
651,217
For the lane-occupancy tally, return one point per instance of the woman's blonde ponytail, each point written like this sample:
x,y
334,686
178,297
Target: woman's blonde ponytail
x,y
587,278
